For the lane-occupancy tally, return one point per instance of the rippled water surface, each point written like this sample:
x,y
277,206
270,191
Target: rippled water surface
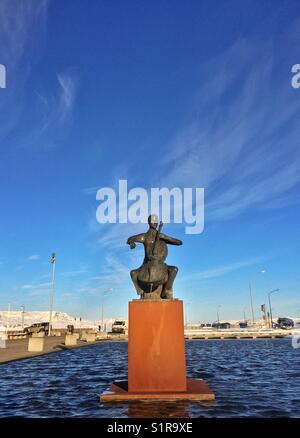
x,y
250,378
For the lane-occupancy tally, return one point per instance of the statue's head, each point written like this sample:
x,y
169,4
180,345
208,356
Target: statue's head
x,y
153,221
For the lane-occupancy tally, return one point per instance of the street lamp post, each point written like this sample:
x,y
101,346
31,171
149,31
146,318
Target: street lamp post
x,y
53,262
8,316
102,308
270,307
251,302
23,312
186,313
218,315
102,316
251,299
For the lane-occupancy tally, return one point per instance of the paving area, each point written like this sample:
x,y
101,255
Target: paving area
x,y
17,349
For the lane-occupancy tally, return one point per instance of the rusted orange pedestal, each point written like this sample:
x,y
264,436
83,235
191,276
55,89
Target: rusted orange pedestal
x,y
156,356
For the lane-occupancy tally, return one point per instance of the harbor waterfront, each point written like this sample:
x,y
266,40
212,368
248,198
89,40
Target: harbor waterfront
x,y
17,349
258,378
17,345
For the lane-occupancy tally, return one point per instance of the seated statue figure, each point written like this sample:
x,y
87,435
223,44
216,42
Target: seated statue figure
x,y
154,279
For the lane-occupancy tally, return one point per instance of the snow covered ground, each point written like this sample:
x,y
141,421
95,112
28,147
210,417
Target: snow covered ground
x,y
60,320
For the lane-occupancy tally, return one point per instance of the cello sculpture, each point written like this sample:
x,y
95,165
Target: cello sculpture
x,y
154,279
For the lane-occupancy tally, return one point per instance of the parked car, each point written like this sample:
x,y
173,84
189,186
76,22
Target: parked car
x,y
119,326
221,325
37,328
284,323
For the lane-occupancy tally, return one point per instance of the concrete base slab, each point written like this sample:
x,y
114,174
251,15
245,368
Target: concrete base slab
x,y
197,389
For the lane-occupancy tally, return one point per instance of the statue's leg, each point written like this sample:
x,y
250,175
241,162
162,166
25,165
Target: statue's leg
x,y
167,292
134,278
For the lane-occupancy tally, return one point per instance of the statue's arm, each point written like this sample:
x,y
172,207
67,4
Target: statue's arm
x,y
140,238
170,240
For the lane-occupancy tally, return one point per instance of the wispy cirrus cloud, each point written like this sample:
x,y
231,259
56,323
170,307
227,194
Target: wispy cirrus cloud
x,y
37,289
90,190
47,110
22,33
114,271
34,257
116,235
19,22
219,271
113,276
56,107
36,285
243,142
68,84
74,273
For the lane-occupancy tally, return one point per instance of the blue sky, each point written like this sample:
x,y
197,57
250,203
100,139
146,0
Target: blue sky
x,y
161,93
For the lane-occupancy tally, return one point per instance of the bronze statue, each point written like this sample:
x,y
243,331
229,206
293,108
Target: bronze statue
x,y
154,279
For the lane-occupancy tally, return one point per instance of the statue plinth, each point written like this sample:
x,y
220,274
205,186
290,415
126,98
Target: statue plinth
x,y
156,356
